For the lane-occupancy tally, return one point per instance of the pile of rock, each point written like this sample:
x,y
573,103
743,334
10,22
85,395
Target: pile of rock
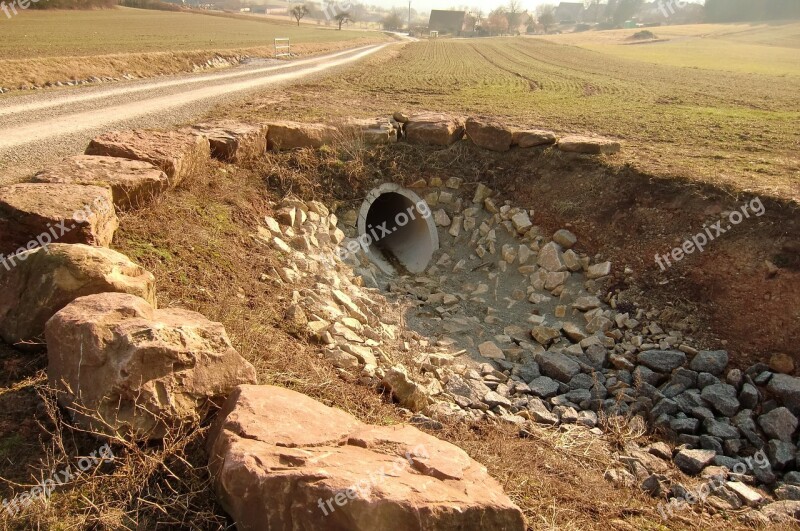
x,y
522,331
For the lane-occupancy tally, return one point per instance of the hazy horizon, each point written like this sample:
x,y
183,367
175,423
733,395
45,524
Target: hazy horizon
x,y
484,5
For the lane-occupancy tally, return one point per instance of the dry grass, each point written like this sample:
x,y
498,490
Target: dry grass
x,y
206,259
136,486
40,46
38,71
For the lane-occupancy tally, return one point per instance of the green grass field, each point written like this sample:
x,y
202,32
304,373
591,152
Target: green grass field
x,y
36,34
737,128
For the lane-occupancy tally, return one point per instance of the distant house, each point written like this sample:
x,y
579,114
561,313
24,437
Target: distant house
x,y
275,10
569,12
447,21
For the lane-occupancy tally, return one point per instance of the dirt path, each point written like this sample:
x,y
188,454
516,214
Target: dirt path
x,y
37,129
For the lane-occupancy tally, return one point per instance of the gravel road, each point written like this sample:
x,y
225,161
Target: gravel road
x,y
39,128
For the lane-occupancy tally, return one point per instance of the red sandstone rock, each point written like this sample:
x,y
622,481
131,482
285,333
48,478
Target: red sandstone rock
x,y
133,182
126,368
178,154
434,129
282,461
35,214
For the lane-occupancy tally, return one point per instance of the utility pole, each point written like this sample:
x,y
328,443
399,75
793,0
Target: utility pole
x,y
409,17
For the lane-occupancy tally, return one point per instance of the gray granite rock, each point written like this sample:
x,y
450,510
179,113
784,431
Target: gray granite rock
x,y
722,398
748,397
693,461
543,387
558,366
711,361
685,425
493,399
539,412
787,388
662,360
779,423
720,428
780,453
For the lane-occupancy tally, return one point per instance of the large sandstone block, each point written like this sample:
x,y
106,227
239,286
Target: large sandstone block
x,y
588,145
533,138
133,182
283,461
434,129
178,154
374,131
45,280
231,140
489,134
126,368
292,135
35,214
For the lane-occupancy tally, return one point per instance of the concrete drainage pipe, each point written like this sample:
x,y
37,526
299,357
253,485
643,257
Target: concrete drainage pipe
x,y
396,227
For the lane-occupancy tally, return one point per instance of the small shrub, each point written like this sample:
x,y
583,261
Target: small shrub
x,y
643,35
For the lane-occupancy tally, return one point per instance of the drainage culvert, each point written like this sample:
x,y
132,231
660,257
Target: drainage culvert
x,y
396,228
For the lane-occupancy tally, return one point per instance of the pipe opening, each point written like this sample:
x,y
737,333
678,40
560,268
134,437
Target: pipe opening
x,y
400,230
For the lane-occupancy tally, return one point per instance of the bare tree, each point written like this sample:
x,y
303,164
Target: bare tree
x,y
343,18
513,14
478,18
298,12
497,21
393,21
546,16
